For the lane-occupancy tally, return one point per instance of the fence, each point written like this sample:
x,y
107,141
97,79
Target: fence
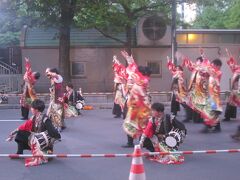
x,y
10,83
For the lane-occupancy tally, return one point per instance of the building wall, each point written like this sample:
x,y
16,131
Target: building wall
x,y
99,75
40,60
212,52
98,69
158,82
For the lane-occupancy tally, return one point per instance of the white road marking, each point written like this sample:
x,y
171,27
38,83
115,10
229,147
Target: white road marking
x,y
11,120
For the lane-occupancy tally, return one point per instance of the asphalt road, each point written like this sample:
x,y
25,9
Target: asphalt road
x,y
96,131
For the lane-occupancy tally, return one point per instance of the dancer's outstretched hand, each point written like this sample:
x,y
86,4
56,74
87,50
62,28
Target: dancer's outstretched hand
x,y
115,60
228,53
27,59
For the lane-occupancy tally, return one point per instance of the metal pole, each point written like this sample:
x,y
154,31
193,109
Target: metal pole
x,y
173,28
182,13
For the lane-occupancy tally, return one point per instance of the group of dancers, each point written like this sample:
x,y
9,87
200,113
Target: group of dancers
x,y
39,132
146,121
203,93
143,120
201,98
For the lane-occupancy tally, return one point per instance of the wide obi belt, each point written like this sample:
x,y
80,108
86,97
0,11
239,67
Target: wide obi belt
x,y
204,74
136,120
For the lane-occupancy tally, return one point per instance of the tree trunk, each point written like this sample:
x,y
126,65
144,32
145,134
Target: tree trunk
x,y
67,13
64,53
129,40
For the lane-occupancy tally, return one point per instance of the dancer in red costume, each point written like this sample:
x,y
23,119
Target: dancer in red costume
x,y
120,80
29,93
234,98
36,134
55,110
178,87
70,100
163,134
138,101
205,92
135,96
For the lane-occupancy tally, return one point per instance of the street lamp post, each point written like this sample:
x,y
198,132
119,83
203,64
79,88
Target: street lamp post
x,y
173,28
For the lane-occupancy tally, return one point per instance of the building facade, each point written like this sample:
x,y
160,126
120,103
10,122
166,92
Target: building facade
x,y
91,55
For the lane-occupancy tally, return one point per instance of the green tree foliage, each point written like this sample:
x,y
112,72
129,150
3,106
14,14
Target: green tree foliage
x,y
233,16
112,17
217,14
107,16
10,25
9,38
54,13
210,18
202,4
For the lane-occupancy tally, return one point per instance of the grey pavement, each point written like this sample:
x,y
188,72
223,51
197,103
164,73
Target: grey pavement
x,y
100,100
96,131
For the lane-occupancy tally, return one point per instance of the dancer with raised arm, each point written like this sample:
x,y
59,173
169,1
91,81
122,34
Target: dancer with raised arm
x,y
234,97
213,108
197,91
138,102
204,91
179,95
55,110
29,93
120,80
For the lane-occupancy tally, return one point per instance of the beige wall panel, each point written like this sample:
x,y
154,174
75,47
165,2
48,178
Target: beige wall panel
x,y
99,74
40,60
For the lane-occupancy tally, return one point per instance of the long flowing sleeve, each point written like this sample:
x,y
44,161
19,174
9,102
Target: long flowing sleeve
x,y
51,129
26,126
120,75
171,67
233,65
189,64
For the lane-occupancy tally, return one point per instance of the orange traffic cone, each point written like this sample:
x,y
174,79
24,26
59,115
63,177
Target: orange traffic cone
x,y
137,169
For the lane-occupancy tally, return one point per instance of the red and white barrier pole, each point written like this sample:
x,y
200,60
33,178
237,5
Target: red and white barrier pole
x,y
122,155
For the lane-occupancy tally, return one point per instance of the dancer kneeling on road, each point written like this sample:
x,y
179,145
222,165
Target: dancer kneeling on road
x,y
163,134
36,134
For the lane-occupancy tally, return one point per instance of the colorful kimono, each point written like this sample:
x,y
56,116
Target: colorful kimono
x,y
120,78
213,108
69,111
29,93
138,102
69,106
56,110
155,131
234,98
41,139
180,92
198,85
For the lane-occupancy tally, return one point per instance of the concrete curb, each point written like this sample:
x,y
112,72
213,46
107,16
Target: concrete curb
x,y
95,105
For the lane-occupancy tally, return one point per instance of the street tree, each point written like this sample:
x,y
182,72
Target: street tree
x,y
113,17
216,14
233,16
52,13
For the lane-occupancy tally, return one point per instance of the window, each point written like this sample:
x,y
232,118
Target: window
x,y
227,38
237,39
194,38
211,38
78,69
182,38
156,67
